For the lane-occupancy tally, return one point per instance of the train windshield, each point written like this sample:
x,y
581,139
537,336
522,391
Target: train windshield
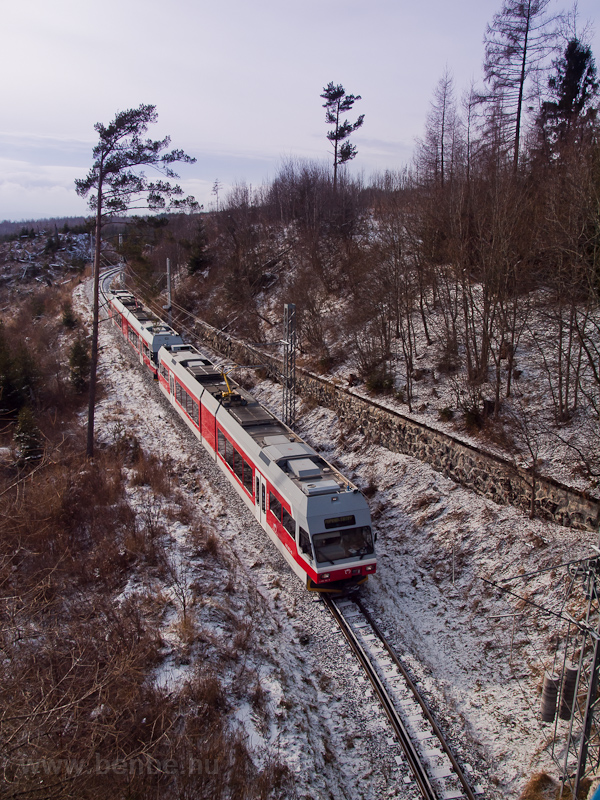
x,y
350,543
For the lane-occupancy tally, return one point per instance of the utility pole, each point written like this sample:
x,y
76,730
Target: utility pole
x,y
589,738
289,364
168,306
581,755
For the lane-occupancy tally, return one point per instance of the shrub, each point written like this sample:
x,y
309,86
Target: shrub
x,y
69,320
38,306
379,382
447,365
371,488
19,375
149,470
474,421
28,437
79,364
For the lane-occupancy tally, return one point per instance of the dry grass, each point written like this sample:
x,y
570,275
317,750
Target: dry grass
x,y
540,787
186,629
205,541
78,655
243,639
149,470
76,662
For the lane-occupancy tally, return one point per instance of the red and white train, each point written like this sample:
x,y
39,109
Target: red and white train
x,y
318,520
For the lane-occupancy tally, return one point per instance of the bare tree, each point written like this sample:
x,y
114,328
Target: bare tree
x,y
436,151
517,43
180,574
529,431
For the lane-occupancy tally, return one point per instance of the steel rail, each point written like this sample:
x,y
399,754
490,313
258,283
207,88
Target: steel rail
x,y
439,735
416,766
110,271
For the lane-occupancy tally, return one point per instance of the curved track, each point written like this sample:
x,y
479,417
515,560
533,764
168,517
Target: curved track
x,y
435,771
106,278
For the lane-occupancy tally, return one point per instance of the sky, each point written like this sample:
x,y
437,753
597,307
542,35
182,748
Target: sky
x,y
236,84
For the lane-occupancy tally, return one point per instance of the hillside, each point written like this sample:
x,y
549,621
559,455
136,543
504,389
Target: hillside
x,y
479,665
162,540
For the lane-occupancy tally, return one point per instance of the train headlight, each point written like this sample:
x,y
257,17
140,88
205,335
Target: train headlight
x,y
370,568
325,576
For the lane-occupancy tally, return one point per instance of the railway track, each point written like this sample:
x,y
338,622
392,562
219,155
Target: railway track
x,y
432,765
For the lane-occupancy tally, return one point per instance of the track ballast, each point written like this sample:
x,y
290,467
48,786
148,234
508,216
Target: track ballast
x,y
432,765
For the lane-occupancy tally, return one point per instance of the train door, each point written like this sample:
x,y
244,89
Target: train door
x,y
171,385
260,498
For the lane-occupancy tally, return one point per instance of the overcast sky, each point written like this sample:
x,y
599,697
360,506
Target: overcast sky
x,y
236,83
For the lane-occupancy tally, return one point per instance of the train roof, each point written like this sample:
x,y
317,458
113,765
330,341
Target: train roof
x,y
147,321
274,442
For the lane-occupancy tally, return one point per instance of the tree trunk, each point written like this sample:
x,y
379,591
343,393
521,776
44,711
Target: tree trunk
x,y
94,357
522,77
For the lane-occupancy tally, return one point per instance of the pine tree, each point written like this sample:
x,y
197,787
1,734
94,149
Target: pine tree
x,y
79,364
27,437
116,184
199,257
337,102
573,88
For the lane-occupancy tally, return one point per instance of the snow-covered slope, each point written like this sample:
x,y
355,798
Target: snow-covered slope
x,y
479,664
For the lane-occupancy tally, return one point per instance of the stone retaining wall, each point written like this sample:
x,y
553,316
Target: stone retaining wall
x,y
488,475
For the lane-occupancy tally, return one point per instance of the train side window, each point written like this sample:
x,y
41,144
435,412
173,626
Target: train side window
x,y
274,506
195,413
221,445
288,523
247,480
257,495
238,464
304,541
264,499
229,453
189,405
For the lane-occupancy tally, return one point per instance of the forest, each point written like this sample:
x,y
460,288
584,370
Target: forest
x,y
476,267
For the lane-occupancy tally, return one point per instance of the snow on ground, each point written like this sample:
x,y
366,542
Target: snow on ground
x,y
316,714
477,663
480,665
543,351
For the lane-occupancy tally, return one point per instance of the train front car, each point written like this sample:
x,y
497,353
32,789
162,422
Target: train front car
x,y
335,543
345,550
318,521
